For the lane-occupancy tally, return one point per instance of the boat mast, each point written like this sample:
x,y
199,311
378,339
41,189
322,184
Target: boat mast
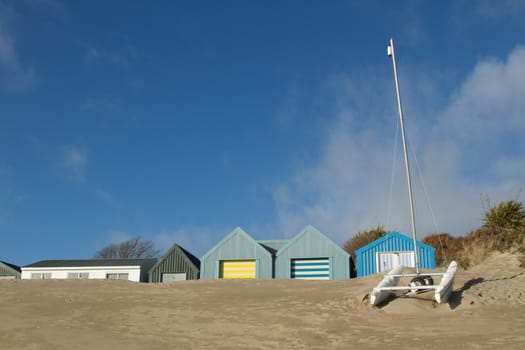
x,y
391,53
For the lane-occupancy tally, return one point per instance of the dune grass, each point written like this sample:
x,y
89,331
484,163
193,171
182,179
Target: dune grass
x,y
503,230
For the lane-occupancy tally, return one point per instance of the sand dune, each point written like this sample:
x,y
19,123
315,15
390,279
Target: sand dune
x,y
487,310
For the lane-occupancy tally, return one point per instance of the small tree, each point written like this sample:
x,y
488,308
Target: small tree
x,y
447,247
362,238
134,248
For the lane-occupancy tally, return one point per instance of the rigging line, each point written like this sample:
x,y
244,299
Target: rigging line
x,y
389,209
427,197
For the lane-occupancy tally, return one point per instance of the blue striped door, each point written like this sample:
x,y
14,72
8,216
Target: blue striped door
x,y
312,269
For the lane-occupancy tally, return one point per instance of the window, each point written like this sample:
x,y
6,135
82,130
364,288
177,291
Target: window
x,y
40,276
117,276
78,275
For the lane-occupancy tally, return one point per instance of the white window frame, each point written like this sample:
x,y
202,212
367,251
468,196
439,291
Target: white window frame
x,y
118,276
78,275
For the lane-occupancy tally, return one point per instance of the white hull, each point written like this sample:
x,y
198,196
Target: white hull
x,y
388,284
446,285
379,294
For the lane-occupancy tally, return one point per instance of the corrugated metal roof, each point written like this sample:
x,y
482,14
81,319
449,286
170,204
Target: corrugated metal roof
x,y
176,259
366,256
11,266
93,262
7,269
309,229
237,245
311,243
196,261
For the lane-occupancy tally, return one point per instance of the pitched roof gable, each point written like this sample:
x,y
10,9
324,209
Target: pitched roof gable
x,y
312,230
236,231
190,258
392,235
8,266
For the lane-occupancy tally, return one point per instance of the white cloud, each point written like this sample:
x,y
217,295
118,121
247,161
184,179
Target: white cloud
x,y
117,237
122,57
471,146
74,161
498,9
14,75
491,99
97,54
104,195
196,240
100,104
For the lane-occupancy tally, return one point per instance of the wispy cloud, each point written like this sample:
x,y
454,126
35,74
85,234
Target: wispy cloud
x,y
94,54
101,104
53,7
14,75
123,57
117,236
104,195
287,112
74,161
480,128
498,9
196,240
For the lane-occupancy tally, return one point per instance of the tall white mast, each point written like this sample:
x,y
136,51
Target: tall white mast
x,y
391,53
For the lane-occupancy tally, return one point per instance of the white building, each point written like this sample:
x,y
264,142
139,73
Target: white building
x,y
122,269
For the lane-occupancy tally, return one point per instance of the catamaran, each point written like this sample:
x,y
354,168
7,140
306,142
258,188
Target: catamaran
x,y
419,282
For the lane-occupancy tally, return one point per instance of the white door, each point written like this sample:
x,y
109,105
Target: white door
x,y
173,276
386,261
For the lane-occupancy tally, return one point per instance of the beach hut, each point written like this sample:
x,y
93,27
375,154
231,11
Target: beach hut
x,y
119,269
9,271
392,250
312,255
176,265
237,256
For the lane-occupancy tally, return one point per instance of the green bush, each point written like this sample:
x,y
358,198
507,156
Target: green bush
x,y
507,222
503,229
446,246
506,216
362,238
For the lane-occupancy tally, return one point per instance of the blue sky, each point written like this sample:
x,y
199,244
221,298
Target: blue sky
x,y
179,121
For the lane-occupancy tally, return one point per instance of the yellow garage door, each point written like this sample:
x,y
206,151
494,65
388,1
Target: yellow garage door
x,y
237,269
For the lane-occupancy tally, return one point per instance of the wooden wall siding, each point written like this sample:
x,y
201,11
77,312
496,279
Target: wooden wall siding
x,y
6,270
237,245
311,243
174,261
366,257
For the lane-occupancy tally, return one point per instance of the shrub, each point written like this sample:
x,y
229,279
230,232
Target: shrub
x,y
505,217
363,238
446,246
505,223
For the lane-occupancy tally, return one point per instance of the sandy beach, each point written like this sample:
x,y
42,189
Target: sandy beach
x,y
487,310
